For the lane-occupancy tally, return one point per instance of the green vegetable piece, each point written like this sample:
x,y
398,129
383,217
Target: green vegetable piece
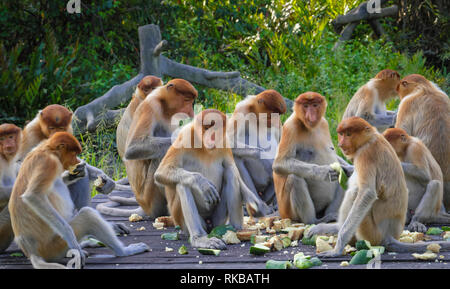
x,y
205,251
315,261
97,242
434,231
17,254
182,250
170,236
273,264
309,241
303,263
286,242
445,228
259,249
177,227
362,245
219,231
343,179
361,257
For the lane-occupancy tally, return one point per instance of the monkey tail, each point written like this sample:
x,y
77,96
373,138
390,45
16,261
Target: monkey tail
x,y
39,263
108,208
394,245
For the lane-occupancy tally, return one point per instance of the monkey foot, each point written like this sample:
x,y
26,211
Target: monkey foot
x,y
208,243
136,248
417,227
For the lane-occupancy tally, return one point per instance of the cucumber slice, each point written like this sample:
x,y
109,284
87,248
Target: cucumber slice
x,y
259,249
362,245
219,231
434,231
182,250
343,179
206,251
272,264
286,242
362,257
170,236
309,241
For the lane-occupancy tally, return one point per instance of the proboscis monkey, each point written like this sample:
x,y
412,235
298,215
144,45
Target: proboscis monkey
x,y
149,137
10,136
144,88
202,182
424,112
423,179
42,211
376,201
369,102
256,122
56,118
305,184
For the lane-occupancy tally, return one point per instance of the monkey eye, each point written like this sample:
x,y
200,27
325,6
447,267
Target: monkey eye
x,y
315,104
404,83
348,134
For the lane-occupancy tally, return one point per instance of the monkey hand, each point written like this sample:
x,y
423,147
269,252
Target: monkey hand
x,y
415,226
208,243
326,173
206,188
70,177
330,254
256,207
348,170
105,186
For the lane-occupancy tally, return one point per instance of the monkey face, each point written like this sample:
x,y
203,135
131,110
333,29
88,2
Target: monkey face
x,y
67,147
404,88
147,85
309,108
398,138
55,118
9,139
9,144
352,134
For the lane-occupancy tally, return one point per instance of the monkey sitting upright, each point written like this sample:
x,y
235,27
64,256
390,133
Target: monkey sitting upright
x,y
305,184
10,136
423,178
202,182
42,211
369,101
424,112
256,123
375,203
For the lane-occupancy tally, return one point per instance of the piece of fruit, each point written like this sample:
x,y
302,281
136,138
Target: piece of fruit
x,y
206,251
166,220
322,245
344,264
170,236
362,257
259,249
230,237
182,250
135,218
379,249
434,247
255,239
277,243
158,225
246,235
315,261
219,231
273,264
425,256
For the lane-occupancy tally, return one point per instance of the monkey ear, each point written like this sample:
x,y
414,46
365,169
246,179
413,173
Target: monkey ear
x,y
60,146
403,137
404,83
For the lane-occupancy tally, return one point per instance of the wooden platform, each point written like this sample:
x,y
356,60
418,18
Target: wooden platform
x,y
236,257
